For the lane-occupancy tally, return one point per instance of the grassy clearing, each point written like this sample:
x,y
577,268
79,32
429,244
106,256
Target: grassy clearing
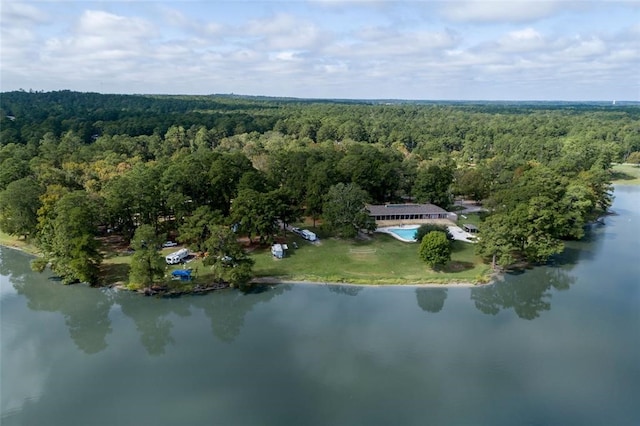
x,y
17,243
380,260
626,174
116,266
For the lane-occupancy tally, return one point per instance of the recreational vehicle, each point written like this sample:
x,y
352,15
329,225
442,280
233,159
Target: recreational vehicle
x,y
177,257
308,235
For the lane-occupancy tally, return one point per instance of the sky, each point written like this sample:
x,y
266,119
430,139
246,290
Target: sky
x,y
367,49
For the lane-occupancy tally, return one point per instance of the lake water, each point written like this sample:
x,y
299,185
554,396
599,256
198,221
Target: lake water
x,y
557,345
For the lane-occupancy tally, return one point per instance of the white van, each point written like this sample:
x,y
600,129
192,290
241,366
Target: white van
x,y
177,257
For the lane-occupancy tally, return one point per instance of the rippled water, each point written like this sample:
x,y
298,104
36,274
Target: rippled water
x,y
554,345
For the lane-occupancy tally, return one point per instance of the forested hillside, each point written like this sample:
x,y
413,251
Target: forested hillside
x,y
74,165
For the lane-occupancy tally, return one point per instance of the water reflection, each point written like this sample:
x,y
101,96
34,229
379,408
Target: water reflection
x,y
151,320
349,290
85,311
227,309
431,299
528,295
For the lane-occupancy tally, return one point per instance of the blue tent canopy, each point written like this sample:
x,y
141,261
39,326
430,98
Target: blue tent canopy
x,y
183,274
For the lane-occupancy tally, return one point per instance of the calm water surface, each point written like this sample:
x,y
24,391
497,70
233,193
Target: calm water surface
x,y
555,345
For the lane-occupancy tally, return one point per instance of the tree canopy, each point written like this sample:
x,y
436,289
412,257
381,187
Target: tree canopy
x,y
344,210
147,265
73,163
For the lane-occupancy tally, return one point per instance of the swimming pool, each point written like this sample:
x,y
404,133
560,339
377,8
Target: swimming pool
x,y
403,234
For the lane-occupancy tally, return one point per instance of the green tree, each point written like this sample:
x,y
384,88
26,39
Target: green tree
x,y
319,179
433,184
146,188
472,183
599,183
430,227
11,170
120,205
224,175
377,171
197,228
46,216
147,264
174,140
19,204
435,249
289,169
344,210
74,251
500,239
285,206
226,257
255,215
528,232
634,158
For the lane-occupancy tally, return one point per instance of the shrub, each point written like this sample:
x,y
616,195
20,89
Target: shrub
x,y
435,249
430,227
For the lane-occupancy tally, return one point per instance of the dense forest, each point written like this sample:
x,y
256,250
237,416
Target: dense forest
x,y
206,169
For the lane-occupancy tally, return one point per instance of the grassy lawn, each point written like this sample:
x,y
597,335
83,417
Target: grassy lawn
x,y
117,264
380,260
626,174
472,218
18,243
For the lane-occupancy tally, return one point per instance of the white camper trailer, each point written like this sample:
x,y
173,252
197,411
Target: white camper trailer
x,y
177,257
278,250
308,235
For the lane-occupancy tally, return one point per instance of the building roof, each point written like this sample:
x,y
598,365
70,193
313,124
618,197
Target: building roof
x,y
392,209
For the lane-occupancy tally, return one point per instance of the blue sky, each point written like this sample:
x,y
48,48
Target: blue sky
x,y
461,49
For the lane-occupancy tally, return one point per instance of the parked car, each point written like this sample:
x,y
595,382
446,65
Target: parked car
x,y
169,244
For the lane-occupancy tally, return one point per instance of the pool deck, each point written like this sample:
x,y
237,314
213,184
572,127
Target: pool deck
x,y
457,232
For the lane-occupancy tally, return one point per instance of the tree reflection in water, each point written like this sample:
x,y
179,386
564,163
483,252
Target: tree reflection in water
x,y
227,308
431,299
85,310
528,296
349,290
151,319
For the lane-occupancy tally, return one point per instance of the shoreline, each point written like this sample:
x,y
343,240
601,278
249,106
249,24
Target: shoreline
x,y
460,284
21,249
276,280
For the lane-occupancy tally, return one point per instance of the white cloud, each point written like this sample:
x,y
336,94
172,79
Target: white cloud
x,y
492,11
387,44
581,48
473,49
284,31
111,27
22,13
101,45
177,19
522,40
